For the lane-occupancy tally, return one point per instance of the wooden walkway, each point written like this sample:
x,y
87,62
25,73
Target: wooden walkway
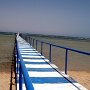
x,y
42,73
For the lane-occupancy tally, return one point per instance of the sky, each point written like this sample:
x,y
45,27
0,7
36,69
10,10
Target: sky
x,y
50,17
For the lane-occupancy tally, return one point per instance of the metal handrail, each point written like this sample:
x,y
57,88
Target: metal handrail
x,y
31,41
71,49
23,71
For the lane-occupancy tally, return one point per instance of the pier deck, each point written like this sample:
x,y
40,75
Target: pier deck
x,y
42,73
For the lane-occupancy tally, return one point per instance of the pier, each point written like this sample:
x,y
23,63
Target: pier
x,y
35,72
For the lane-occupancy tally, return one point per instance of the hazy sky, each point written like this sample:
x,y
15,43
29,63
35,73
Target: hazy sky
x,y
58,17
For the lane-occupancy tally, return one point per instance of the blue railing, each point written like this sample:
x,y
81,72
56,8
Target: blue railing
x,y
21,69
32,42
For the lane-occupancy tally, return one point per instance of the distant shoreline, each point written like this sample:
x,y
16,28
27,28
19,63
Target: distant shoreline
x,y
50,36
59,37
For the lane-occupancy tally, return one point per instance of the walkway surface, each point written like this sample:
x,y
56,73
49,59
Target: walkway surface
x,y
42,73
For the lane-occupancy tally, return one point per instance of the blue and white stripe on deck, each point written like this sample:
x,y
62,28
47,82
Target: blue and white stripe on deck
x,y
42,74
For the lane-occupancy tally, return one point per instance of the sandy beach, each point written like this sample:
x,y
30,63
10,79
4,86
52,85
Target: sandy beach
x,y
6,60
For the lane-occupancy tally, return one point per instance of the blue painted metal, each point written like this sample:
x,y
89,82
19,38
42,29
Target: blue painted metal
x,y
41,48
16,63
33,42
66,54
17,57
66,61
87,53
50,53
20,78
29,40
23,71
36,44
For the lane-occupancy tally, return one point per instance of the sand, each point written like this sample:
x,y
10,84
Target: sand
x,y
82,77
7,81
